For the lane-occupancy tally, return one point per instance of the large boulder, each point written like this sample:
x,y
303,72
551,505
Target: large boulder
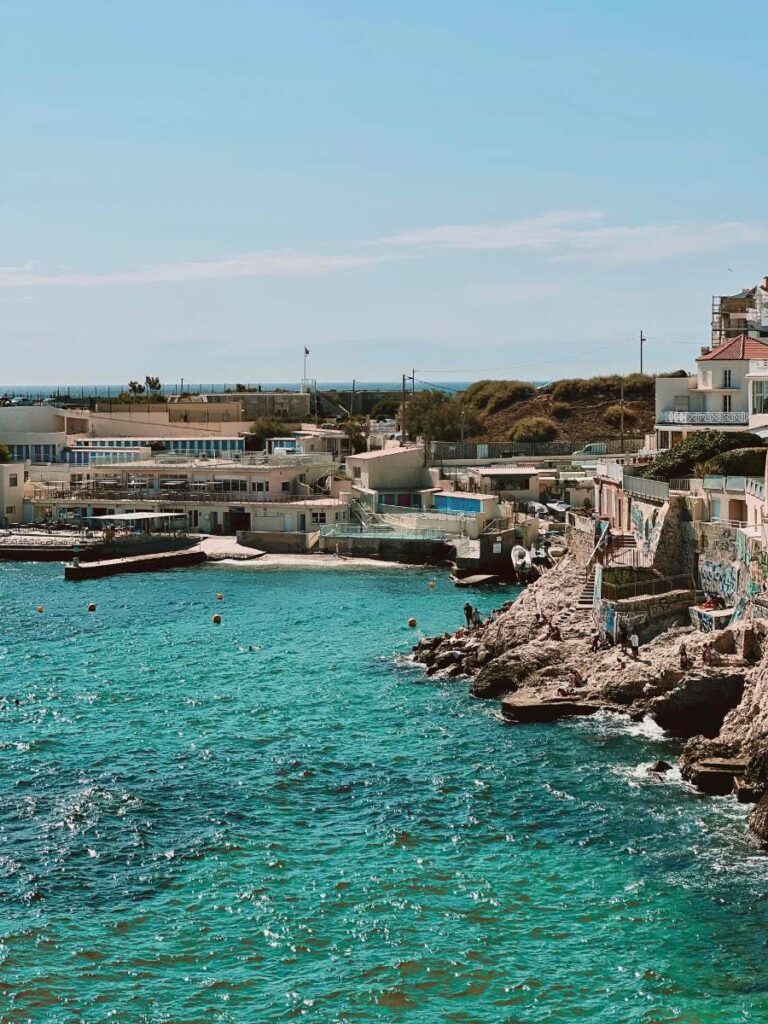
x,y
699,703
516,668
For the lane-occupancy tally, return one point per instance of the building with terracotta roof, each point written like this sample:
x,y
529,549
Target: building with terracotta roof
x,y
728,392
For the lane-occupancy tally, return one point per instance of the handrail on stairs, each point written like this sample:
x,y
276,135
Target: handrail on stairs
x,y
593,557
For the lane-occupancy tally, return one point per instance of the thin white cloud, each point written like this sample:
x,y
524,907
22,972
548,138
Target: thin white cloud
x,y
571,234
557,235
259,264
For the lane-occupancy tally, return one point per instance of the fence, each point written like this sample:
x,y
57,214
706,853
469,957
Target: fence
x,y
471,450
379,532
688,485
650,490
664,585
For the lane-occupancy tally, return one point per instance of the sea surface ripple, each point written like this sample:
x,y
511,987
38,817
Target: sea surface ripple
x,y
311,830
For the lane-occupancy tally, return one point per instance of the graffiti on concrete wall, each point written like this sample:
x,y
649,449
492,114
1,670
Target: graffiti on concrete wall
x,y
719,578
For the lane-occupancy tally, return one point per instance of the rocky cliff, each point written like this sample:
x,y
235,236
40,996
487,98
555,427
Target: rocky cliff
x,y
535,655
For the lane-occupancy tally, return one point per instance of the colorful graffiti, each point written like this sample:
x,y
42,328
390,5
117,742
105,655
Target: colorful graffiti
x,y
719,578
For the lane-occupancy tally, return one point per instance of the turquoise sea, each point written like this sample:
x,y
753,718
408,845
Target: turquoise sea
x,y
312,831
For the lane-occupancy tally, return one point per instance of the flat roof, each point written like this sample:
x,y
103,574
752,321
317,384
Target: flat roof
x,y
381,452
505,470
132,517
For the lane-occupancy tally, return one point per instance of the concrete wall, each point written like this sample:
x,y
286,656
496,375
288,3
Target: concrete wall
x,y
11,493
274,543
390,469
648,616
581,541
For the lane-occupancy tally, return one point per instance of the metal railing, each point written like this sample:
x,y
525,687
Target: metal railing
x,y
90,495
651,490
471,450
646,588
756,488
688,485
380,532
694,418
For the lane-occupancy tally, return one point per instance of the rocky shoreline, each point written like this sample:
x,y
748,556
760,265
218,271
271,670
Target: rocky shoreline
x,y
720,710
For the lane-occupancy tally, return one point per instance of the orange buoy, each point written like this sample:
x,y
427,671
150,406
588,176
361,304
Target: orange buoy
x,y
217,619
91,607
40,609
219,597
412,623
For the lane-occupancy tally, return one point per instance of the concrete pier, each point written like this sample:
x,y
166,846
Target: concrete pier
x,y
134,563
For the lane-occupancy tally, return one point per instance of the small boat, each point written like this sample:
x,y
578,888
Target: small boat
x,y
521,559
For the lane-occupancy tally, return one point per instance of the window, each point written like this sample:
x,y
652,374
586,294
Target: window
x,y
13,480
10,510
727,379
726,403
318,518
286,485
356,472
760,397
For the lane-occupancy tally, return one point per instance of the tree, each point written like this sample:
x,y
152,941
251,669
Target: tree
x,y
5,455
263,427
386,408
135,388
434,416
354,431
698,449
152,383
534,428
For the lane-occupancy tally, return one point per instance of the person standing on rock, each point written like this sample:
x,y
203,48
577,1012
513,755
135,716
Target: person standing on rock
x,y
634,643
468,609
623,637
477,618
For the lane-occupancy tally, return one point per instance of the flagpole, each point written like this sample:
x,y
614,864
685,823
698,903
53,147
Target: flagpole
x,y
304,378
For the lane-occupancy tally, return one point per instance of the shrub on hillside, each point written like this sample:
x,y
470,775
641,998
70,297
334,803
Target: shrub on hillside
x,y
739,462
560,410
612,416
489,396
534,428
577,389
699,448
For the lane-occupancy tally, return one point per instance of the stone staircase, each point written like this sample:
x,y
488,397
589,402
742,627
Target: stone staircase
x,y
587,594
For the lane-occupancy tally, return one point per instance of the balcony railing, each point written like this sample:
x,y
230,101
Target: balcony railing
x,y
706,418
102,495
756,488
734,484
650,490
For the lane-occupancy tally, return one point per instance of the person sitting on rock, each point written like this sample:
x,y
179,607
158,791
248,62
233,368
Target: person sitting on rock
x,y
575,678
686,661
554,632
596,644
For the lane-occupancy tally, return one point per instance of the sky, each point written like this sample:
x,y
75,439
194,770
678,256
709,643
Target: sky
x,y
497,189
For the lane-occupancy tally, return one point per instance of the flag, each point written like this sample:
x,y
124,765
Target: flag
x,y
306,351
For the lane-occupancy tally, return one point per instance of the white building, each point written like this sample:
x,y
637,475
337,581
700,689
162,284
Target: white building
x,y
729,392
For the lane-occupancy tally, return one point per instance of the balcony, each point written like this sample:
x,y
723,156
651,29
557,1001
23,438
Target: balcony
x,y
645,489
695,419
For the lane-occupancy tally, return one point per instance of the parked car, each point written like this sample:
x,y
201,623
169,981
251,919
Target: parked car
x,y
591,450
536,508
558,508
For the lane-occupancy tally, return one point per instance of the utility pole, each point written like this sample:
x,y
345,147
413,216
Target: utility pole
x,y
413,384
622,414
352,401
403,435
642,339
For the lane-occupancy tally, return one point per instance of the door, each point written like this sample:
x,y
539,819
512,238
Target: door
x,y
303,523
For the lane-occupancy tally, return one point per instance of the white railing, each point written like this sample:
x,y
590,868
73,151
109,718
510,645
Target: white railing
x,y
756,488
652,490
689,485
693,418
